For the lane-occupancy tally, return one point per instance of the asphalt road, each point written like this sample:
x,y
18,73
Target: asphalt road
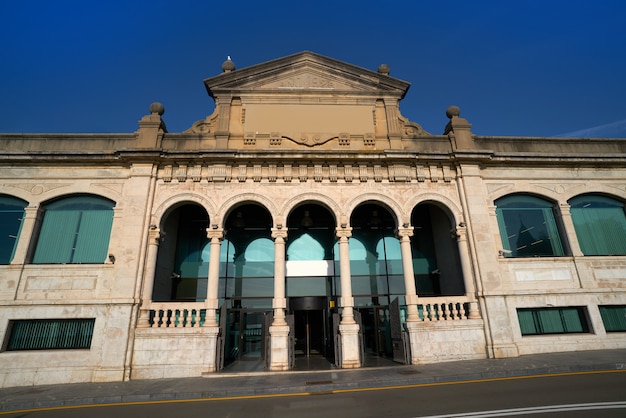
x,y
588,394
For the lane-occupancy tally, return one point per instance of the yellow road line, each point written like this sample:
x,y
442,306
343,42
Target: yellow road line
x,y
489,379
329,392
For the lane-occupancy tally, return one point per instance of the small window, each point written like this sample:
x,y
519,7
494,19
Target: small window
x,y
50,334
528,227
566,320
600,224
11,216
614,318
75,230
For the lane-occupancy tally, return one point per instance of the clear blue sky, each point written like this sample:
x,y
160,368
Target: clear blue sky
x,y
531,68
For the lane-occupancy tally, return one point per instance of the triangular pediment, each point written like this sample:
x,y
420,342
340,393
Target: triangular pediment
x,y
308,77
305,72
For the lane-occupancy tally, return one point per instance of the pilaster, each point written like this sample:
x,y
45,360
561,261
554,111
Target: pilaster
x,y
151,128
459,130
154,239
466,268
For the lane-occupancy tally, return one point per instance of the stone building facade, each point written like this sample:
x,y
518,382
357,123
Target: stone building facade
x,y
305,217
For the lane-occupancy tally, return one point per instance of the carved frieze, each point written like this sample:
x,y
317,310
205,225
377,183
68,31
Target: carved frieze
x,y
494,187
311,139
249,138
308,172
411,129
275,139
36,189
204,126
618,186
306,79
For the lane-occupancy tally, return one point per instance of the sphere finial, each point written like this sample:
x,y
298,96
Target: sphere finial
x,y
453,111
384,69
158,108
228,65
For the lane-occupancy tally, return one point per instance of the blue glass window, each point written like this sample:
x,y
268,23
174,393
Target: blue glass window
x,y
378,270
613,317
11,216
600,225
75,230
250,274
557,320
528,227
192,253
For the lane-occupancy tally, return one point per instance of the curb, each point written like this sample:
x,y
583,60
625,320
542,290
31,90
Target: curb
x,y
309,388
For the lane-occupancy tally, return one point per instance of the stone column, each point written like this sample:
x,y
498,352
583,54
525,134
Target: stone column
x,y
31,214
211,324
413,321
405,234
570,231
348,328
279,330
216,235
154,239
466,269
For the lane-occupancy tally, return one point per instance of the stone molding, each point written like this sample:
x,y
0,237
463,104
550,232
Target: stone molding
x,y
307,172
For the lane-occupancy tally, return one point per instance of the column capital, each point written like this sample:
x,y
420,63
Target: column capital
x,y
403,232
565,209
343,232
215,233
460,232
31,209
154,236
279,233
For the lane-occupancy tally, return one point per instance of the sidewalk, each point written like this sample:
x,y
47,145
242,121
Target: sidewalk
x,y
266,383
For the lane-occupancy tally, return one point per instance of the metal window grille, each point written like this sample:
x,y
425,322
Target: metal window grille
x,y
50,334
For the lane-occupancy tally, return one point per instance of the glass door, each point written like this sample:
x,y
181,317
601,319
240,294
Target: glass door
x,y
244,335
310,333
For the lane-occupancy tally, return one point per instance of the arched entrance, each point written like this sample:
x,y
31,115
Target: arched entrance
x,y
377,275
311,282
246,283
436,262
183,257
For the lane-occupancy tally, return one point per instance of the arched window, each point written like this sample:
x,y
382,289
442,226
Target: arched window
x,y
436,261
191,261
600,224
259,258
375,259
305,248
306,267
75,230
528,227
247,259
11,216
183,256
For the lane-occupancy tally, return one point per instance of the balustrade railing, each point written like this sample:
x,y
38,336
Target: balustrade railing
x,y
448,308
193,314
176,314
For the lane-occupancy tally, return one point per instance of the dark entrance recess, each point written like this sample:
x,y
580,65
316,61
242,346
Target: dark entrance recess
x,y
310,325
376,331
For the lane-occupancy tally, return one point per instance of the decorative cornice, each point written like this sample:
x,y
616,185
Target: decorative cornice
x,y
306,171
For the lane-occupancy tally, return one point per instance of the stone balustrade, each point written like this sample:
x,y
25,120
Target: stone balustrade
x,y
447,308
176,314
